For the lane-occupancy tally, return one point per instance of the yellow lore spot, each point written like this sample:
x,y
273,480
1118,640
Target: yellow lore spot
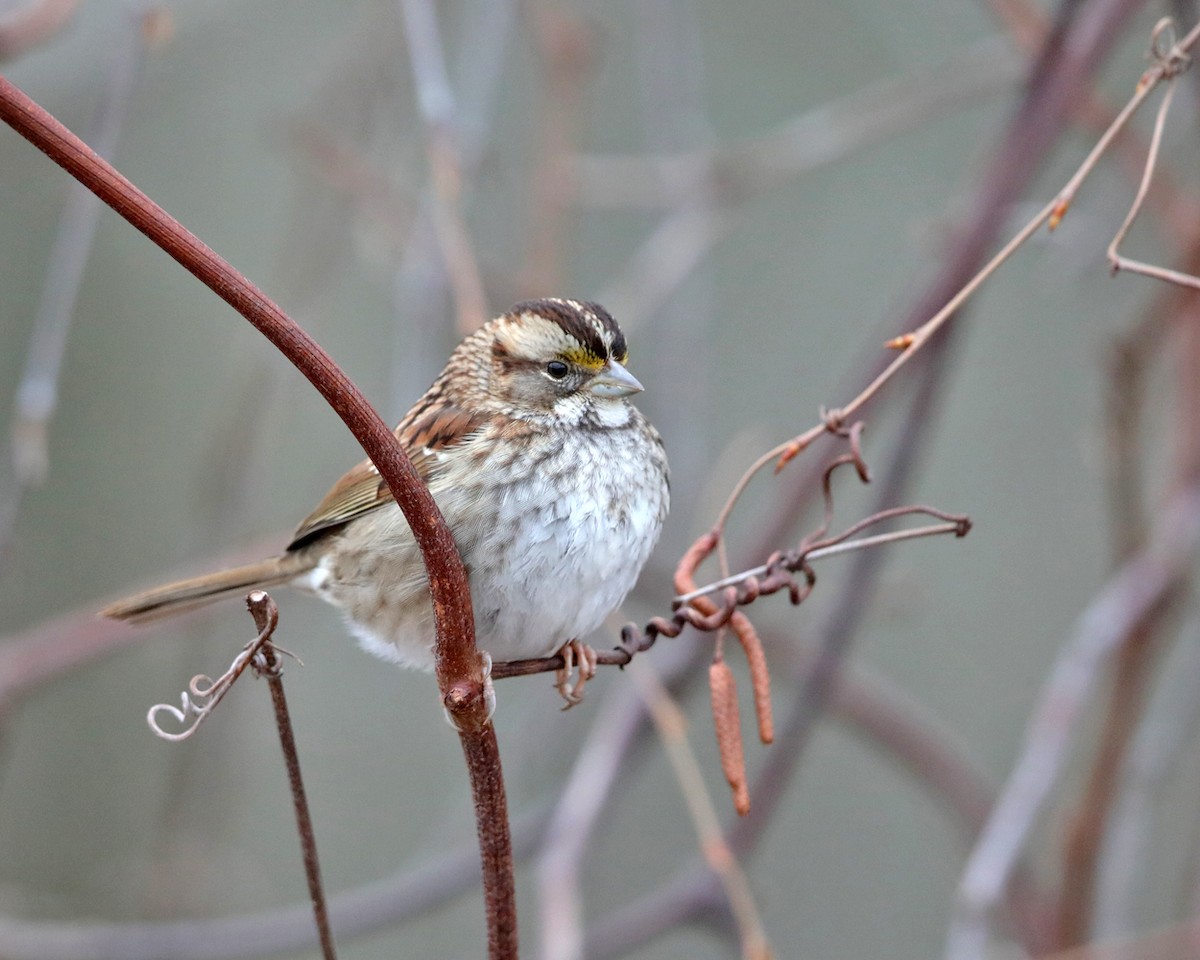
x,y
584,358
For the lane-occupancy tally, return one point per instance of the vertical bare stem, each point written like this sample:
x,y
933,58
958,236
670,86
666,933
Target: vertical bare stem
x,y
261,609
495,844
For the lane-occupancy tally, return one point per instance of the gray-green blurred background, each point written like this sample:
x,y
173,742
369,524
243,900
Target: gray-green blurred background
x,y
288,136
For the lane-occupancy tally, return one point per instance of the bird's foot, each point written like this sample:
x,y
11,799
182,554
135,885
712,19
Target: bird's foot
x,y
579,666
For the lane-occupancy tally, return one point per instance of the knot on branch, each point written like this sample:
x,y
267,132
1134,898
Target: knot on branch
x,y
470,703
834,420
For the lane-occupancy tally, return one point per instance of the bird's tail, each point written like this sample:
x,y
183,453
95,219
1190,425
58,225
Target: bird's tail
x,y
173,598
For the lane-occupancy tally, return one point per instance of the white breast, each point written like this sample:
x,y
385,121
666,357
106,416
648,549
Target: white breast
x,y
566,547
552,543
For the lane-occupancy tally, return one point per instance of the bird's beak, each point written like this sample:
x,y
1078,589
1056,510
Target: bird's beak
x,y
614,381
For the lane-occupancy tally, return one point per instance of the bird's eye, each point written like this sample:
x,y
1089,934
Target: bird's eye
x,y
557,369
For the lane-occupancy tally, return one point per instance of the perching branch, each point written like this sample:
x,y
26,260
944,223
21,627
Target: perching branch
x,y
458,666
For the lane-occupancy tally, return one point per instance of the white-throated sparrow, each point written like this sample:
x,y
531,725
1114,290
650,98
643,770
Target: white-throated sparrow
x,y
553,483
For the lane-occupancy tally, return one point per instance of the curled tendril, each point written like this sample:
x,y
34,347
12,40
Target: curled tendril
x,y
1165,51
780,572
1162,39
200,699
204,693
713,606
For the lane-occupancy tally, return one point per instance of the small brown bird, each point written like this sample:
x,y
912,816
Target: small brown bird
x,y
554,485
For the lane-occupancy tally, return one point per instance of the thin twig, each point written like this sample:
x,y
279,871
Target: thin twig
x,y
692,606
1160,120
261,655
832,550
268,663
1029,25
912,342
1136,266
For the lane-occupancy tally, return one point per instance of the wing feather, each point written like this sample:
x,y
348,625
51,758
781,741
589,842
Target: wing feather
x,y
427,432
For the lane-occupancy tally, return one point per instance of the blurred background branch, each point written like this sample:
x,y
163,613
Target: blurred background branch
x,y
757,194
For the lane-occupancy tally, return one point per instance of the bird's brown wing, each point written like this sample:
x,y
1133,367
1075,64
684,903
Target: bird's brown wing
x,y
426,432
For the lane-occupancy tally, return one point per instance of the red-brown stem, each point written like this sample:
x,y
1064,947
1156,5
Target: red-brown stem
x,y
685,570
308,840
458,666
447,579
266,616
495,843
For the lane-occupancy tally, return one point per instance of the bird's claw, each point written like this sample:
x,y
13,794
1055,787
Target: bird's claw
x,y
579,666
